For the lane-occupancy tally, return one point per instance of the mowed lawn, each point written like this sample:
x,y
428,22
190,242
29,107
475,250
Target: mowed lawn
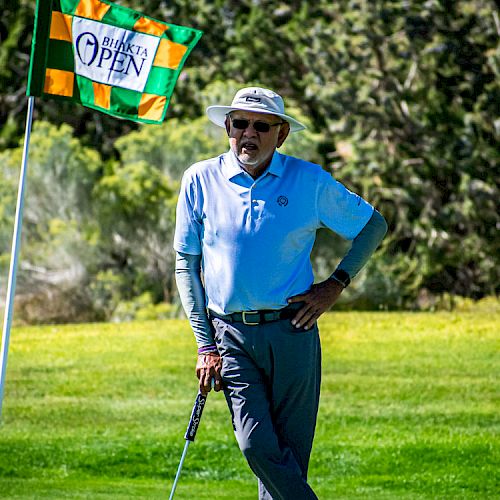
x,y
409,410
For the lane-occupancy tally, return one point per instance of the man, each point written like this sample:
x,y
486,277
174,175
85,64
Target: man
x,y
248,220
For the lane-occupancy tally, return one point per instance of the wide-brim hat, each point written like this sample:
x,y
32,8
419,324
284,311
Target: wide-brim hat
x,y
256,100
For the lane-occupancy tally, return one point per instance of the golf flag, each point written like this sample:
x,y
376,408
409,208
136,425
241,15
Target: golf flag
x,y
107,57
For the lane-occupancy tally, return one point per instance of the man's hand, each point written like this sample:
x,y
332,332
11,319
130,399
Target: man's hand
x,y
208,367
318,299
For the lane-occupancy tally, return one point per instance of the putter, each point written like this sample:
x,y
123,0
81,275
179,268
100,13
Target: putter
x,y
192,427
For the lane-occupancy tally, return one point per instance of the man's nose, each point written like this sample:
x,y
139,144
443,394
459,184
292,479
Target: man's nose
x,y
250,131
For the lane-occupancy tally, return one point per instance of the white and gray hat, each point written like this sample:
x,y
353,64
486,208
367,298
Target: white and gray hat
x,y
256,100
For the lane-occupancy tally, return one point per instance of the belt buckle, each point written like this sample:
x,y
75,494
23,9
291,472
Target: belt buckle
x,y
244,318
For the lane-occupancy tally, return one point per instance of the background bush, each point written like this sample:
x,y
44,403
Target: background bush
x,y
401,101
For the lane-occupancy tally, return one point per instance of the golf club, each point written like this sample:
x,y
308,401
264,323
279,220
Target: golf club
x,y
192,427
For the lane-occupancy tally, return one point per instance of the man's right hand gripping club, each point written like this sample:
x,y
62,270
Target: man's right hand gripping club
x,y
208,367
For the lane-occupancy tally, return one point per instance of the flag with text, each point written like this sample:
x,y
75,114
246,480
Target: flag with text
x,y
107,57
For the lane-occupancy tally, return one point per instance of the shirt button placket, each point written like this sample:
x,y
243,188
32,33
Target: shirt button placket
x,y
253,204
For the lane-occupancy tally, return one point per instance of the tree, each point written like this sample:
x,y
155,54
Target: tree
x,y
58,251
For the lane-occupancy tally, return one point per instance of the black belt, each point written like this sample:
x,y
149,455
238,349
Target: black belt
x,y
254,318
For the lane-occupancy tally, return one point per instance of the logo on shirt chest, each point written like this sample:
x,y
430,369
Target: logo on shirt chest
x,y
282,201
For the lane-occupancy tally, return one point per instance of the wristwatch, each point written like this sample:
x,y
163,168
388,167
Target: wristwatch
x,y
342,277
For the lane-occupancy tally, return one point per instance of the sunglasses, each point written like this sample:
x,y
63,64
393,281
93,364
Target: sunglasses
x,y
242,124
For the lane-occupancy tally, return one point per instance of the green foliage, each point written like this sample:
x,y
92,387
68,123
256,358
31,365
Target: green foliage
x,y
408,410
93,230
58,226
15,27
142,308
106,290
418,130
136,213
172,147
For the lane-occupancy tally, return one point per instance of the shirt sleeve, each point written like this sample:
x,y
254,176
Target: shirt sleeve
x,y
365,243
339,209
188,225
192,294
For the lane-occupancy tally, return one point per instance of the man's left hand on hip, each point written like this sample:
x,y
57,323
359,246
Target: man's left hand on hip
x,y
318,299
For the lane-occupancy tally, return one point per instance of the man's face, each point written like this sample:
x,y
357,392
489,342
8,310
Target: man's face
x,y
254,149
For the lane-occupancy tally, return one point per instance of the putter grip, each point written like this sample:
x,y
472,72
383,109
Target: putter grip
x,y
195,419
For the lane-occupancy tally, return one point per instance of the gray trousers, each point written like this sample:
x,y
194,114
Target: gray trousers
x,y
271,375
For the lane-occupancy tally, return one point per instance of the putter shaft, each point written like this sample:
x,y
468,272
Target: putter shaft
x,y
179,469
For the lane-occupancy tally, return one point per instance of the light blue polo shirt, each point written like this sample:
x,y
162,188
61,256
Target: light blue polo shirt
x,y
256,236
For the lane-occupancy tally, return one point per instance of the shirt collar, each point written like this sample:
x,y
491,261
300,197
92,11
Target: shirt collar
x,y
231,168
276,168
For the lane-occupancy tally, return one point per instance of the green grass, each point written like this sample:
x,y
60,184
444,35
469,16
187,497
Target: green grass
x,y
409,409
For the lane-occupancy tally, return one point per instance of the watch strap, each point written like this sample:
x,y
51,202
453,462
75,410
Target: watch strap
x,y
342,277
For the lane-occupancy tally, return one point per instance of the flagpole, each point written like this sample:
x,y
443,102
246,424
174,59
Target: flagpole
x,y
16,246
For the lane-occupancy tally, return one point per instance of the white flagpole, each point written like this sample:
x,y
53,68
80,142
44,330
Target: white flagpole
x,y
16,246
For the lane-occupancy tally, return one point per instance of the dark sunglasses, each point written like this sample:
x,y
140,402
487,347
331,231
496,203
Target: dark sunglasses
x,y
242,124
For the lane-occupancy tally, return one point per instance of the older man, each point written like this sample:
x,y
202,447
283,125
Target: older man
x,y
247,220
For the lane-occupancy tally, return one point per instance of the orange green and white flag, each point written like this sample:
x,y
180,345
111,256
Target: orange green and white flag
x,y
107,57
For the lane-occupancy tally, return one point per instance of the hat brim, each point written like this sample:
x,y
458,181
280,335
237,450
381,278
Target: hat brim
x,y
217,115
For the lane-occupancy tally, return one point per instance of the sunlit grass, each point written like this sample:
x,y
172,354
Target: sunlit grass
x,y
408,410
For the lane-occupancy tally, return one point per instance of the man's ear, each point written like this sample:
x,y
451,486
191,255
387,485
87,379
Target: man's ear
x,y
228,125
283,134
